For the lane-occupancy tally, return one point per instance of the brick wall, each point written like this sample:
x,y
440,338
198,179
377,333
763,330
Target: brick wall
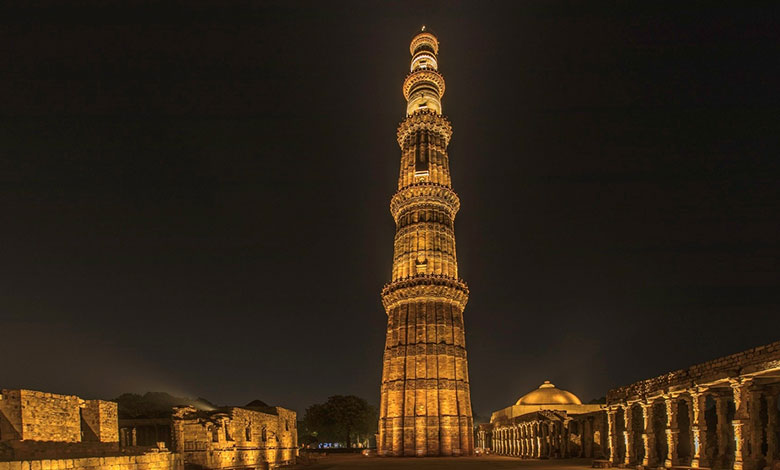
x,y
745,362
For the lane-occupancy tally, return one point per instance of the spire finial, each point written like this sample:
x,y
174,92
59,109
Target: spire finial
x,y
423,28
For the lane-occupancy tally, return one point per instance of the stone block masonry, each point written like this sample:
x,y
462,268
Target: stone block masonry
x,y
149,461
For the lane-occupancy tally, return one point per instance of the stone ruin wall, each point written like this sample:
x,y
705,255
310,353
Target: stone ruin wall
x,y
149,461
734,365
101,417
241,437
41,416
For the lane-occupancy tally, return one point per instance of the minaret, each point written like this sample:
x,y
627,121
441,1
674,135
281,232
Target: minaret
x,y
425,407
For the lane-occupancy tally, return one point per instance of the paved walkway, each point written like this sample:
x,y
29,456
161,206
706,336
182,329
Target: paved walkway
x,y
446,463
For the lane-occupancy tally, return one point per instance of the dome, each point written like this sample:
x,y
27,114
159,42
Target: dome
x,y
548,394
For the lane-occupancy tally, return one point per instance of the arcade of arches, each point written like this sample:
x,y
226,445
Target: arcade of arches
x,y
721,414
546,423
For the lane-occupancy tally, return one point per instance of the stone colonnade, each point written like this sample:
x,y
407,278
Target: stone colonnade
x,y
545,434
722,414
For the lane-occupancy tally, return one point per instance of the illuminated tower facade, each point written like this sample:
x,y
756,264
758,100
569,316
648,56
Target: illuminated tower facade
x,y
425,408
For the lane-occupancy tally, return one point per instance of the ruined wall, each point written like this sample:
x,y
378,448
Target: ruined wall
x,y
10,415
288,434
150,461
745,362
47,416
38,425
99,420
237,437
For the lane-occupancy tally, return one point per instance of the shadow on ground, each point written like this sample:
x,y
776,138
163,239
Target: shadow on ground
x,y
441,463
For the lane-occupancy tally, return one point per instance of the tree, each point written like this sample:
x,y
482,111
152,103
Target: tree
x,y
340,419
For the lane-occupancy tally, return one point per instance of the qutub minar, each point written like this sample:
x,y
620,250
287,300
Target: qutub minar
x,y
425,407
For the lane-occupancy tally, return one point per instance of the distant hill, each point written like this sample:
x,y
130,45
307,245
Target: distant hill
x,y
156,404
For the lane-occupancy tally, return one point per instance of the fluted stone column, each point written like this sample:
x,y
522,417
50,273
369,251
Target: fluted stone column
x,y
612,435
672,431
721,408
425,404
648,435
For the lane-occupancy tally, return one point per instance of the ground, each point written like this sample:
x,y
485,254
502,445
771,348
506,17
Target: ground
x,y
447,463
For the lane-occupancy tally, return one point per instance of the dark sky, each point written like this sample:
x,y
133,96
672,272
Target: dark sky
x,y
194,199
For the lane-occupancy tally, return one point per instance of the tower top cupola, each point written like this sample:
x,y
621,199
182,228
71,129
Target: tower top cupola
x,y
424,86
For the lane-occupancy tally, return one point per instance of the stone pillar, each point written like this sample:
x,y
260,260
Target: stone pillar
x,y
528,445
534,441
771,426
741,422
587,438
515,442
721,407
628,436
612,435
520,441
648,435
550,440
697,406
755,428
672,431
565,438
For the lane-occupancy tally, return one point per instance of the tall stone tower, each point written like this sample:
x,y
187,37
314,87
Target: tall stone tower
x,y
426,401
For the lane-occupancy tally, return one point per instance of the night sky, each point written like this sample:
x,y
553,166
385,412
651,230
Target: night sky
x,y
194,199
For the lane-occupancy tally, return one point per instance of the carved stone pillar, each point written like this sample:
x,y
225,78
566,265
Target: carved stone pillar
x,y
515,442
648,435
628,436
587,438
697,406
740,423
721,408
537,441
771,426
523,443
612,435
755,428
565,438
672,431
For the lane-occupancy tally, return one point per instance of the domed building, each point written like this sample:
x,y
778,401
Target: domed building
x,y
548,422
